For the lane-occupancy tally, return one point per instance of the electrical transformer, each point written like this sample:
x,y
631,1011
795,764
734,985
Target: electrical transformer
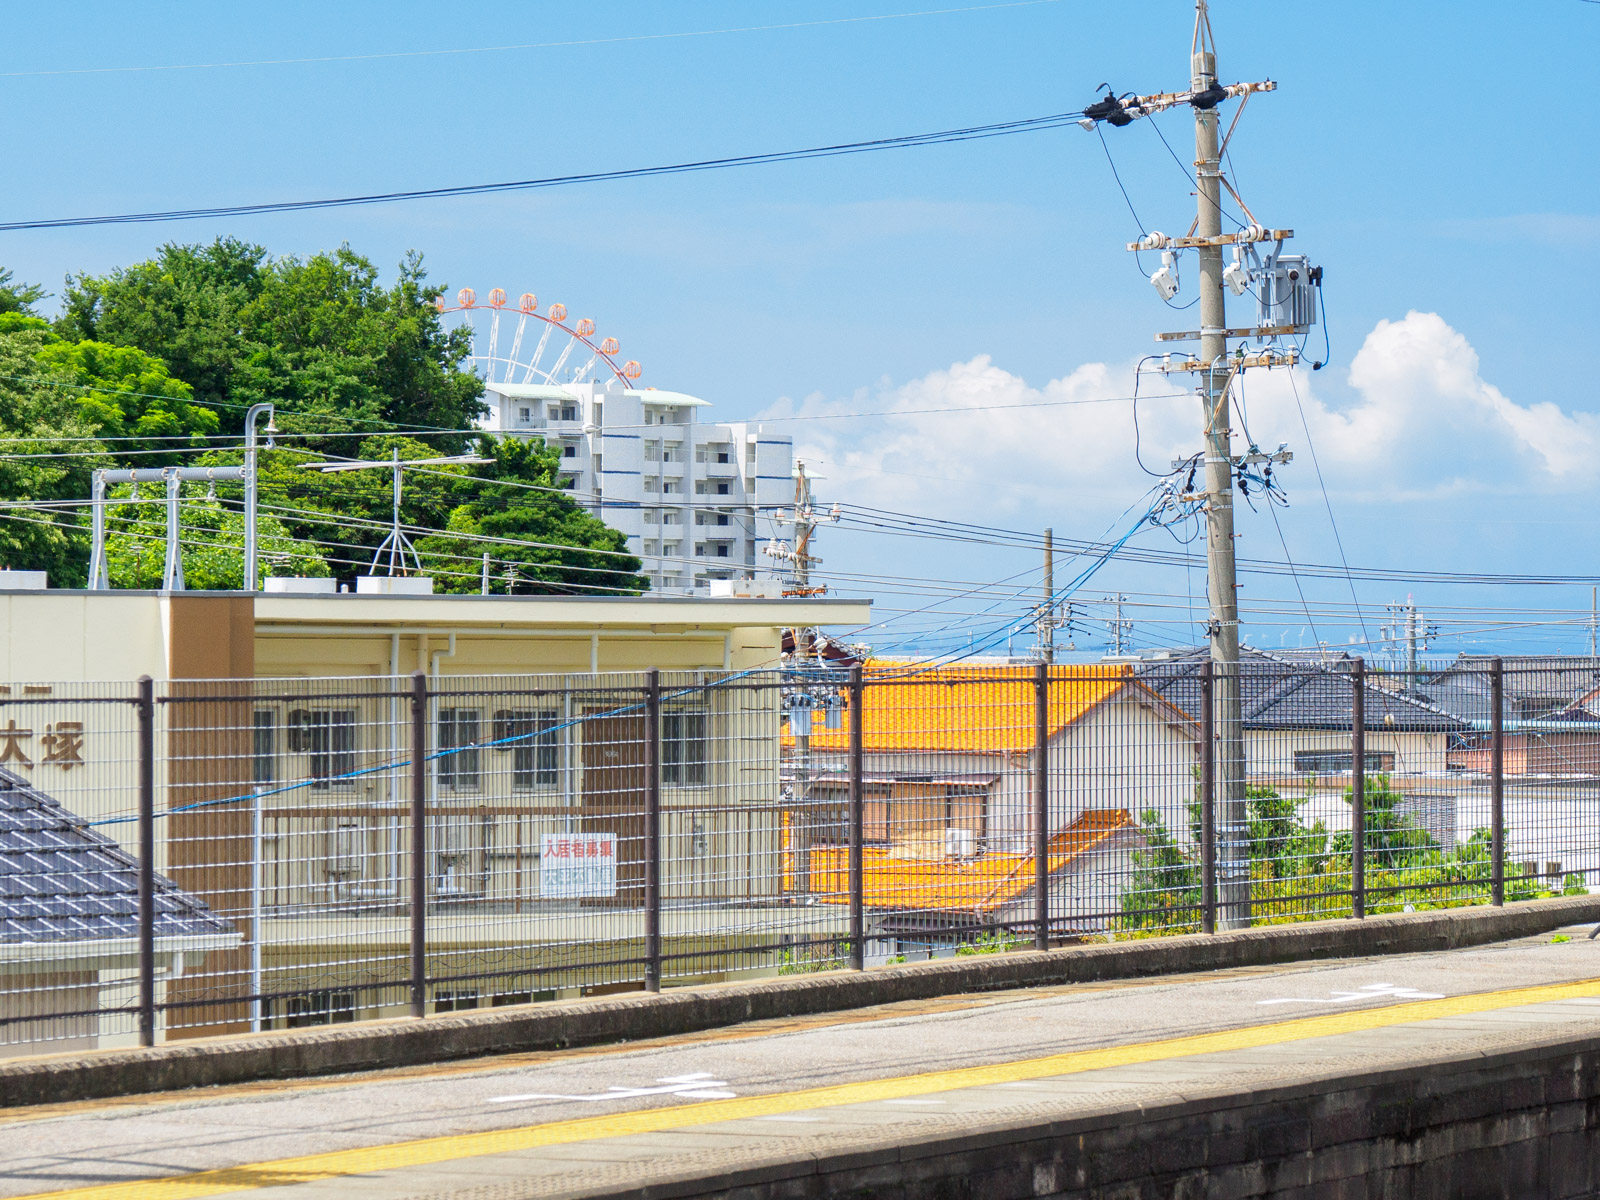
x,y
1288,291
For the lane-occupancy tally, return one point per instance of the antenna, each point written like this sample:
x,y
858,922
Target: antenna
x,y
396,547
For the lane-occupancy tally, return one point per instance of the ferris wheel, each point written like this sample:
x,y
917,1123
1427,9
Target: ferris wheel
x,y
523,346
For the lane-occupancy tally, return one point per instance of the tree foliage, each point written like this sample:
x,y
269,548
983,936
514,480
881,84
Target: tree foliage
x,y
319,337
213,543
537,537
49,452
150,363
1299,872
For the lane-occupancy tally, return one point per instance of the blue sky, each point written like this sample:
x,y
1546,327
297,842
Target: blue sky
x,y
1433,157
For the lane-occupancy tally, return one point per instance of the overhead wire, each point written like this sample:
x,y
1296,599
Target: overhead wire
x,y
838,149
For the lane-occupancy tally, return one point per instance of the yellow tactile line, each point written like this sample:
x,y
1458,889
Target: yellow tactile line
x,y
428,1151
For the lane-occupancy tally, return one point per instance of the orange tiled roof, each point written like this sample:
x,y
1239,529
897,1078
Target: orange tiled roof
x,y
980,885
968,708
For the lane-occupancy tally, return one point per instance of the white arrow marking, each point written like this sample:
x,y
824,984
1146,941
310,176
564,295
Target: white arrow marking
x,y
1372,991
699,1086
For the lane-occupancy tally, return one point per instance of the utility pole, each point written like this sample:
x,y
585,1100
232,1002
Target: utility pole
x,y
1411,639
1285,289
1117,625
1233,858
1047,614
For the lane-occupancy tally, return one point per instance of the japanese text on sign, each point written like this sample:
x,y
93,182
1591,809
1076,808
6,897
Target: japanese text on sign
x,y
578,865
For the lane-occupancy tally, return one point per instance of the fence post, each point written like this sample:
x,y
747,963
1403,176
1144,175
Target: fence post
x,y
858,945
1358,788
1208,802
419,845
1041,806
147,861
1497,781
652,830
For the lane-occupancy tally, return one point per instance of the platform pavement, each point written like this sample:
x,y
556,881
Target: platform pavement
x,y
878,1095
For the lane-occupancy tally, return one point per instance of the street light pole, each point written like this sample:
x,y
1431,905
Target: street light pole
x,y
251,573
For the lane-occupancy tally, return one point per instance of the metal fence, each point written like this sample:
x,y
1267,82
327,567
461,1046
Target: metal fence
x,y
223,856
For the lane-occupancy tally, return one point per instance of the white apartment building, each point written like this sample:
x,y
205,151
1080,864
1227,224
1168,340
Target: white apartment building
x,y
695,499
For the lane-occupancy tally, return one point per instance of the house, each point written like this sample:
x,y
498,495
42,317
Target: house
x,y
948,792
1550,722
1297,715
69,904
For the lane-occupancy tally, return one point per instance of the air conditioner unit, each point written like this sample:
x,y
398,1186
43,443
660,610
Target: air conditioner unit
x,y
960,843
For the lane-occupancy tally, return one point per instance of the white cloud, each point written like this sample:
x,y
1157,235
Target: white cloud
x,y
1423,422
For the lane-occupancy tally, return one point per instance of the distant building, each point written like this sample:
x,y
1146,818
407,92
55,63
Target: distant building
x,y
690,495
948,794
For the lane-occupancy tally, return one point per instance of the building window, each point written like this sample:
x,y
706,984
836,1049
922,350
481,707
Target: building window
x,y
722,549
320,1008
672,487
568,450
266,747
1335,761
652,452
683,748
723,455
652,484
652,517
671,518
328,736
458,727
569,412
722,489
535,753
525,414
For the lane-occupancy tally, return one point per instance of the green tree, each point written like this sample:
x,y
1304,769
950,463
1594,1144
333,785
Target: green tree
x,y
213,543
319,337
537,536
520,500
124,393
19,297
47,452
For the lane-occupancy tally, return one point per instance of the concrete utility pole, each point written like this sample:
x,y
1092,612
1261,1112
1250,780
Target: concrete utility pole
x,y
1118,625
1285,289
1047,615
1233,850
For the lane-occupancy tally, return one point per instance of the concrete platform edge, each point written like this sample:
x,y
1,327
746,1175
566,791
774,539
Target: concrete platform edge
x,y
1422,1095
377,1045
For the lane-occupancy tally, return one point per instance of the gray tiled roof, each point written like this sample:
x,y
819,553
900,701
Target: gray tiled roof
x,y
61,881
1278,694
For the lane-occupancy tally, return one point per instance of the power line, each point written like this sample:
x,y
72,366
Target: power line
x,y
463,50
905,141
